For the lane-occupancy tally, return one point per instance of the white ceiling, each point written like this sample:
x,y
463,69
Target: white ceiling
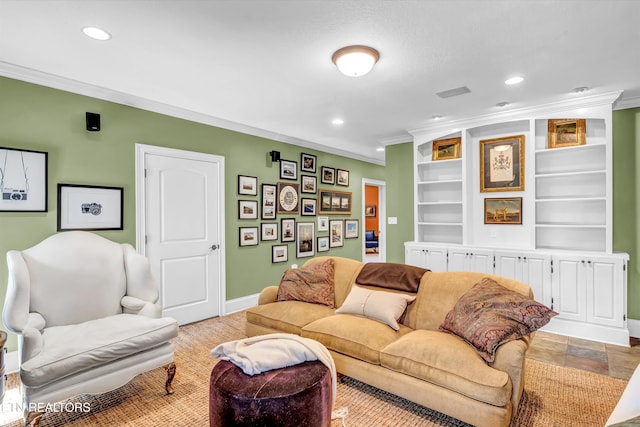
x,y
264,67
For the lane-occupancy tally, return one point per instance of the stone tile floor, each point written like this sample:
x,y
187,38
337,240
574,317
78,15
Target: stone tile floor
x,y
606,359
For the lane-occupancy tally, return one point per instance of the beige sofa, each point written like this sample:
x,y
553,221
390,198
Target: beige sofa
x,y
418,362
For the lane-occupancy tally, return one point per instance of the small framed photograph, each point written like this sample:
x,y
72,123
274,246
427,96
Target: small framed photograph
x,y
269,192
305,239
343,177
279,253
247,209
288,230
323,223
269,231
288,198
288,169
350,228
502,164
445,149
308,207
309,184
24,180
503,210
370,211
566,132
247,185
248,236
308,162
323,244
336,233
89,207
327,175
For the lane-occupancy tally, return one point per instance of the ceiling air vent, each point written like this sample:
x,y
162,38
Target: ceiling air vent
x,y
453,92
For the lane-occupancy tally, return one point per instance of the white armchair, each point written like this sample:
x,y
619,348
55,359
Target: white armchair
x,y
85,312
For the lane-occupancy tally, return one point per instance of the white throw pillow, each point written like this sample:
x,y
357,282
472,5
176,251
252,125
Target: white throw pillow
x,y
385,307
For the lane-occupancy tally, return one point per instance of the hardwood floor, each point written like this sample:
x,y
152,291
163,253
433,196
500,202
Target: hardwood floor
x,y
606,359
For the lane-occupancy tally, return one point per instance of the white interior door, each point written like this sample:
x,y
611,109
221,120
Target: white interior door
x,y
183,226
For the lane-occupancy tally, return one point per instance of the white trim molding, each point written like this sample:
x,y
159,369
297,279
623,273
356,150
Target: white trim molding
x,y
634,327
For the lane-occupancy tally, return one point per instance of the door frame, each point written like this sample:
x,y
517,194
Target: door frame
x,y
382,217
140,193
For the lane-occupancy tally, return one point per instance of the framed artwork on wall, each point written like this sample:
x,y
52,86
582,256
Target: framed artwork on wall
x,y
323,223
323,244
279,253
269,231
328,175
503,210
288,169
566,132
350,228
287,198
89,207
305,239
288,230
248,236
269,201
342,177
309,184
445,149
336,233
308,162
502,164
308,207
334,202
248,185
247,209
23,180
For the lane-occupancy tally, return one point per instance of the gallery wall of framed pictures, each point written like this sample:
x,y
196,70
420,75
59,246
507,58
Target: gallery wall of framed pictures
x,y
292,209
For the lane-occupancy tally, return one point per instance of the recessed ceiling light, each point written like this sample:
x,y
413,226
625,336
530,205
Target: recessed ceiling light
x,y
96,33
514,80
502,104
380,149
337,122
580,89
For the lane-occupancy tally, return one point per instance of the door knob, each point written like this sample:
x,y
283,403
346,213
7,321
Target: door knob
x,y
214,247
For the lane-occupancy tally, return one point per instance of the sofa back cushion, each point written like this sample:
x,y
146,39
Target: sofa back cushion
x,y
439,293
345,272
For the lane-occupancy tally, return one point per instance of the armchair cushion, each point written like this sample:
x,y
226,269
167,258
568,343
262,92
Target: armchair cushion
x,y
75,348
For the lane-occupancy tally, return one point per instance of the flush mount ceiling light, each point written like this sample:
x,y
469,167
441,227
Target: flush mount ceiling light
x,y
355,61
502,104
514,80
337,122
580,89
96,33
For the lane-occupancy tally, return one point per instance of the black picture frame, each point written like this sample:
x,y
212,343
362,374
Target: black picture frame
x,y
342,177
269,231
287,230
308,207
269,201
248,185
247,209
308,162
248,236
308,184
24,180
289,169
279,253
327,175
90,207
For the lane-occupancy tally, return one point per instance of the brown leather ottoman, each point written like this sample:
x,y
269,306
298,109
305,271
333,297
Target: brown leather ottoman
x,y
295,396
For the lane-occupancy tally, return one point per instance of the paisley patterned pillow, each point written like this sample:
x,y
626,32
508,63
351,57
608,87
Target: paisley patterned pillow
x,y
489,315
312,284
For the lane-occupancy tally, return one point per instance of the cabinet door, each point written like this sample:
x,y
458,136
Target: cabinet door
x,y
509,264
532,268
458,259
433,258
481,260
605,292
436,259
569,288
414,255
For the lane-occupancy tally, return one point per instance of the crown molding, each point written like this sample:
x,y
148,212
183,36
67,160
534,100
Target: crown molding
x,y
74,86
623,103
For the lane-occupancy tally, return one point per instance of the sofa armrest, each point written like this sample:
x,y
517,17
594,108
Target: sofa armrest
x,y
133,305
510,358
268,295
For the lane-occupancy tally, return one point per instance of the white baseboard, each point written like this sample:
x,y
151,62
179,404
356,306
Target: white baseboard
x,y
634,327
241,303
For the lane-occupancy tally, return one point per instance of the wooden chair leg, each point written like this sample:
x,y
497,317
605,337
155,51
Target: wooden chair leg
x,y
171,372
32,418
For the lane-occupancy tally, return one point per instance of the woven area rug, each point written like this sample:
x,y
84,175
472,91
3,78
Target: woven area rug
x,y
554,396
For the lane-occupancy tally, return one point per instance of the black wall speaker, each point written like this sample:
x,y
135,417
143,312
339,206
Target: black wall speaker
x,y
93,122
275,156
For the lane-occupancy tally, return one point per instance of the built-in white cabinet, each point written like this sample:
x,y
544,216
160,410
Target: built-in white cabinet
x,y
422,256
470,259
530,267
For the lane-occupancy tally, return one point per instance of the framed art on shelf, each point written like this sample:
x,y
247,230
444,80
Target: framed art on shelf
x,y
342,177
327,175
323,244
502,164
247,185
89,207
288,198
350,228
334,202
308,162
269,201
336,233
248,236
305,239
503,210
308,207
279,253
247,209
287,230
269,231
309,184
566,132
288,169
445,149
323,223
23,181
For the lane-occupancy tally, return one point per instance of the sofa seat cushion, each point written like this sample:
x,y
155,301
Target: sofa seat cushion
x,y
71,349
447,361
287,316
354,336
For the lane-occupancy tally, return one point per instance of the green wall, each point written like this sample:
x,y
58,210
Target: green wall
x,y
399,165
38,118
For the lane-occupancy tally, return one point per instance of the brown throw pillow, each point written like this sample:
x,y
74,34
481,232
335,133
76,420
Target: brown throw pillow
x,y
312,284
489,315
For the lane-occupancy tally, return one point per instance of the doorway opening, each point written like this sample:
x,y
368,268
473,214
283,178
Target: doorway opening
x,y
374,221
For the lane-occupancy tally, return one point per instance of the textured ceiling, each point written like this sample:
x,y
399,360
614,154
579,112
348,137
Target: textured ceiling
x,y
264,67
